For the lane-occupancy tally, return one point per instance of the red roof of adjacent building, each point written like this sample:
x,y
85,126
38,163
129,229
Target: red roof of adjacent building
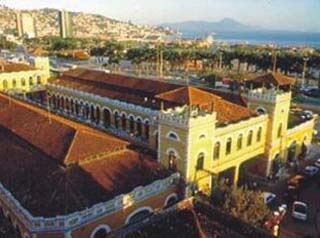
x,y
9,67
275,79
58,167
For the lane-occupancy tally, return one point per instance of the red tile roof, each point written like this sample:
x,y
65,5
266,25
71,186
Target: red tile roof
x,y
187,96
275,79
8,67
149,93
61,167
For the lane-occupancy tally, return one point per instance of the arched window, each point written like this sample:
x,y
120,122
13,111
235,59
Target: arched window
x,y
200,161
260,110
14,83
38,80
100,232
171,200
67,104
239,142
87,111
131,124
23,82
173,136
259,134
124,122
58,104
147,130
62,103
97,115
107,119
72,106
228,146
138,215
249,142
216,151
31,81
202,136
279,131
139,127
172,161
5,84
92,114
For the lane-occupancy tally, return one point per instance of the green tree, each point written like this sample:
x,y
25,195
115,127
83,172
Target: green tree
x,y
4,44
243,203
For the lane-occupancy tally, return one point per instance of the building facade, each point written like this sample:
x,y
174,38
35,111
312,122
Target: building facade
x,y
65,22
20,77
59,178
26,25
203,136
178,140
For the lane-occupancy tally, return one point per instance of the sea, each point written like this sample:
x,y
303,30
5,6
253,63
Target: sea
x,y
279,38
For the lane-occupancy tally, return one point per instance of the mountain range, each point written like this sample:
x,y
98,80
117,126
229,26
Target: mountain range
x,y
225,25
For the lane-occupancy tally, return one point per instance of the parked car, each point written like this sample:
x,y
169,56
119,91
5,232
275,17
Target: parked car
x,y
306,89
317,163
314,92
268,197
296,182
311,170
300,210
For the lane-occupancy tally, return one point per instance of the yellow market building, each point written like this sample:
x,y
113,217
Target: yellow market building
x,y
203,134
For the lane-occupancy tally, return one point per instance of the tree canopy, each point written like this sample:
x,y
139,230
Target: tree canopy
x,y
242,203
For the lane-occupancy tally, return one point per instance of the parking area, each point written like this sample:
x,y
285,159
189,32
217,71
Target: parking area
x,y
307,191
293,228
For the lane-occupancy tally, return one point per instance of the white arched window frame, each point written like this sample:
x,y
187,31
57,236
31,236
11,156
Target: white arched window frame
x,y
104,227
173,136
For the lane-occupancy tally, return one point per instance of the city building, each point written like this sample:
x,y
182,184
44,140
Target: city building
x,y
24,78
203,134
65,179
26,25
65,23
61,179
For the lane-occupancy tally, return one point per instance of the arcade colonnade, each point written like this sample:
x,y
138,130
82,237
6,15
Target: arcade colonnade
x,y
120,122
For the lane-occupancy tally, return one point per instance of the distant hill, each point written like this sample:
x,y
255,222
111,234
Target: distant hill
x,y
206,28
84,24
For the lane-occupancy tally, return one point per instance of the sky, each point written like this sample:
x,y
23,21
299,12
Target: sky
x,y
301,15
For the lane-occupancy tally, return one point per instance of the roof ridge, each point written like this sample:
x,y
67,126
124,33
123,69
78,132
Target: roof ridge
x,y
110,154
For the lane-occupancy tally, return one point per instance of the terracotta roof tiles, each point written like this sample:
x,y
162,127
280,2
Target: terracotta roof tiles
x,y
8,67
150,93
59,167
275,79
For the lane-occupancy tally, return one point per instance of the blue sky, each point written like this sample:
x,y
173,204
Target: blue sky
x,y
301,15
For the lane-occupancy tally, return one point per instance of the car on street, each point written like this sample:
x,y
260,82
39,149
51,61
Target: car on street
x,y
311,170
300,211
296,182
268,198
314,92
317,163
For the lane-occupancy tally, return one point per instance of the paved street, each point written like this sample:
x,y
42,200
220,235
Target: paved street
x,y
291,228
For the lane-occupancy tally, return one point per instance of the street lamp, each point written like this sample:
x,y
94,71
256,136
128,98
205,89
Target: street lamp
x,y
304,81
